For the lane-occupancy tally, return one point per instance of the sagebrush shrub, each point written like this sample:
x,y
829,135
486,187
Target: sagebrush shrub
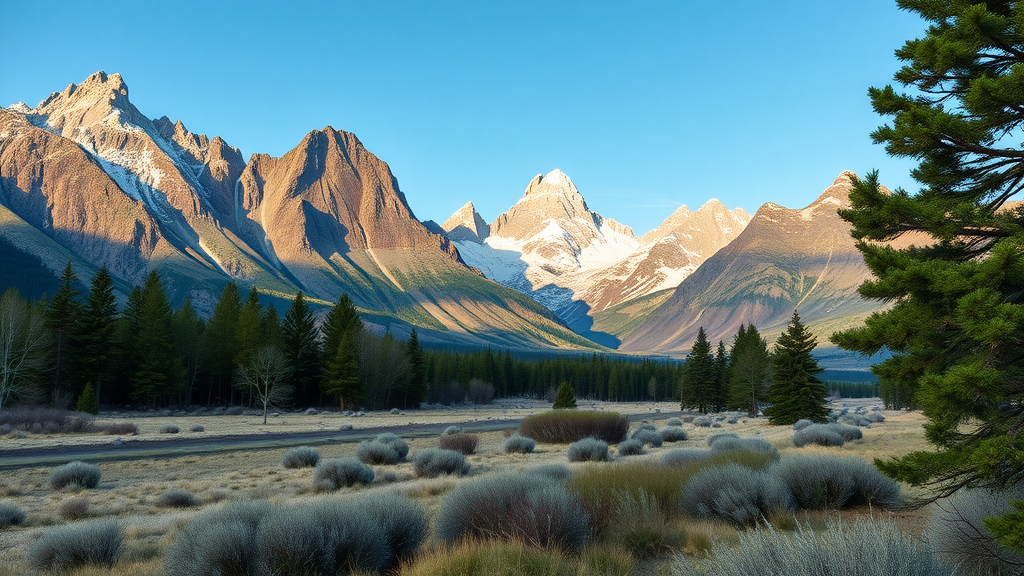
x,y
74,509
404,522
461,442
399,445
333,474
77,473
169,429
802,423
119,429
11,515
736,494
197,428
435,462
301,457
563,426
519,444
588,450
684,456
716,437
630,448
553,471
819,434
646,426
40,420
217,542
854,420
825,481
752,444
524,507
874,417
177,498
865,548
674,422
703,422
959,537
64,548
648,436
673,434
377,453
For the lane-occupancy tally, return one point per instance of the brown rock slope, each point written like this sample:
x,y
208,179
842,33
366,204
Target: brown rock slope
x,y
784,259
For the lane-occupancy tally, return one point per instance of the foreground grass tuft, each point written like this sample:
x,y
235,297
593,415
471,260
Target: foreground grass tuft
x,y
565,426
502,558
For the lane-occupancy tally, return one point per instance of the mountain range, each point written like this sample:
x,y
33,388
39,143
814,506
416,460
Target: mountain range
x,y
86,177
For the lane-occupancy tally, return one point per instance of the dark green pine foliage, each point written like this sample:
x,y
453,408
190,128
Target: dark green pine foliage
x,y
248,330
416,383
220,343
700,378
721,377
299,336
270,327
126,357
62,318
795,391
749,370
342,330
188,338
87,400
158,373
96,330
566,398
956,326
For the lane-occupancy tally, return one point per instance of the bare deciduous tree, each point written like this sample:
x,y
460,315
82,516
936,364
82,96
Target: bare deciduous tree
x,y
23,348
265,377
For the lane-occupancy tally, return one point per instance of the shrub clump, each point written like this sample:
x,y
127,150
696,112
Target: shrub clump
x,y
702,422
555,472
684,457
39,420
874,417
867,548
177,498
674,422
197,428
64,548
673,434
649,437
399,445
74,509
588,450
959,537
754,444
169,429
519,444
716,437
377,453
829,482
220,541
461,442
736,494
119,429
819,434
331,475
565,426
301,457
630,448
524,507
11,515
801,424
77,473
435,462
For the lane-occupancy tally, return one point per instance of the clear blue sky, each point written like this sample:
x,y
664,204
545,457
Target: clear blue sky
x,y
646,105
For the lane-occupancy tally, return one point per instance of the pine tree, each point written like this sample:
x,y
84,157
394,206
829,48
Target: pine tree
x,y
159,372
96,332
416,384
342,319
566,398
721,377
699,376
188,328
795,391
299,336
220,340
87,400
342,377
956,325
270,327
248,330
62,317
749,370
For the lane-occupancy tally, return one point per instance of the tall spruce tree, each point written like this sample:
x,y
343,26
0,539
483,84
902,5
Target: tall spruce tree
x,y
63,312
270,327
721,377
220,343
248,330
795,391
158,373
301,345
956,326
341,331
188,328
700,378
416,383
97,327
749,370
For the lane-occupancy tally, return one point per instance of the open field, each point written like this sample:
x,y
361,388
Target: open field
x,y
130,488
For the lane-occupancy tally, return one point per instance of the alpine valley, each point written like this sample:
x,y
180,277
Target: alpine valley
x,y
86,177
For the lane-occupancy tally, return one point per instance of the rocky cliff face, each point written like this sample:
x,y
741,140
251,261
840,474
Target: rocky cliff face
x,y
784,259
86,176
466,225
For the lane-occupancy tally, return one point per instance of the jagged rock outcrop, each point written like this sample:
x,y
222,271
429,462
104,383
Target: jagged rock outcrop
x,y
466,225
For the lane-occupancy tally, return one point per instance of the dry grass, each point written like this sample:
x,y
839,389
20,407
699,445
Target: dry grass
x,y
130,489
